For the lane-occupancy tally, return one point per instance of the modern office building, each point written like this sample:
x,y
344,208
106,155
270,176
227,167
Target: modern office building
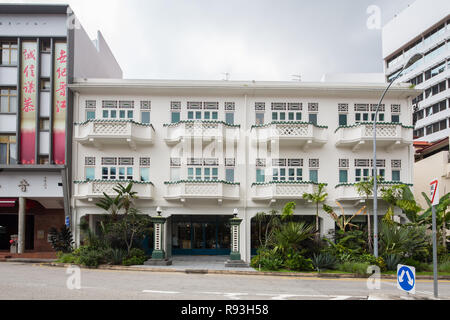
x,y
42,48
201,149
424,27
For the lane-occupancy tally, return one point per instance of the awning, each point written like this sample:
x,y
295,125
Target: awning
x,y
7,203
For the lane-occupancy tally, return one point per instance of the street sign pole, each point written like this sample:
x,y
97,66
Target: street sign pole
x,y
434,202
435,268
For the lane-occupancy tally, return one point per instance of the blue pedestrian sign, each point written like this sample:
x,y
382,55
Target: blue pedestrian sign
x,y
67,222
406,278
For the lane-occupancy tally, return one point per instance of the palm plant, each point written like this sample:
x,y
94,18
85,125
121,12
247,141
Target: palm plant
x,y
111,205
290,235
341,221
317,198
127,196
442,216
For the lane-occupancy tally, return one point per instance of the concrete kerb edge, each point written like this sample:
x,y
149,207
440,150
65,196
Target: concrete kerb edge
x,y
238,272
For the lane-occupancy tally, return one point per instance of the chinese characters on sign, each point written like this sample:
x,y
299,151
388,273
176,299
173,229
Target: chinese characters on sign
x,y
28,102
59,104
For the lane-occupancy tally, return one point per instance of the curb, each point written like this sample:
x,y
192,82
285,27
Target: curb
x,y
237,272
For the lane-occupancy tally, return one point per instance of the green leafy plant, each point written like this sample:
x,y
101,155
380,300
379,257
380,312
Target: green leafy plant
x,y
359,268
392,260
61,241
295,261
317,197
324,261
116,256
341,221
290,236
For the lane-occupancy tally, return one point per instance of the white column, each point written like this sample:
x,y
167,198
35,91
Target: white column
x,y
21,226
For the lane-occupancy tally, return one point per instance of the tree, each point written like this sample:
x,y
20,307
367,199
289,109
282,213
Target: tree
x,y
365,189
317,197
111,205
442,216
401,196
341,221
127,196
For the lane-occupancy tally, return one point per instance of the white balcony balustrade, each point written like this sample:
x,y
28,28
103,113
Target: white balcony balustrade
x,y
94,189
204,130
302,134
100,132
348,191
282,190
217,190
389,135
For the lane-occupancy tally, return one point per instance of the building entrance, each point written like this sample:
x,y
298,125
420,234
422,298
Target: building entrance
x,y
201,235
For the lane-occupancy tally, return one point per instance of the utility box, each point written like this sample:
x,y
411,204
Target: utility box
x,y
15,243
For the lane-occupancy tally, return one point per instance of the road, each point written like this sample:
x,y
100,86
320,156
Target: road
x,y
20,281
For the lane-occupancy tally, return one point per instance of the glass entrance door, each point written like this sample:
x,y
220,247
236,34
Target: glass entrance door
x,y
200,235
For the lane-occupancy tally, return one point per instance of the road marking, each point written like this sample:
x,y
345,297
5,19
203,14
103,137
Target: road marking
x,y
163,292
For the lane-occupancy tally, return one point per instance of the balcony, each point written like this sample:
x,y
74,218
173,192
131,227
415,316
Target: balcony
x,y
102,132
204,130
217,190
389,135
282,190
347,192
303,134
94,189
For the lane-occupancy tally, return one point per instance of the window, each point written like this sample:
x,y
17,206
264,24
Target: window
x,y
44,124
207,174
229,174
395,175
45,85
279,174
395,118
260,176
145,117
259,118
343,176
434,71
8,100
229,117
314,175
121,173
89,173
8,54
8,150
205,115
43,160
145,174
342,120
90,115
112,114
313,118
175,174
175,117
295,174
362,174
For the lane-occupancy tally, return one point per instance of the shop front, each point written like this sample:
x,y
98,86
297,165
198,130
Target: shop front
x,y
200,235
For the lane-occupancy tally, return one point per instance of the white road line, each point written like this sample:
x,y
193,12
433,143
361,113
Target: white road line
x,y
162,292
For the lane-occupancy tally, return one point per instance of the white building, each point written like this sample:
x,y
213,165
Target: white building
x,y
200,149
424,27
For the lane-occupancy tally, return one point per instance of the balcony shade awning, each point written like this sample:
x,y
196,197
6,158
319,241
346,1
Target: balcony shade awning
x,y
7,203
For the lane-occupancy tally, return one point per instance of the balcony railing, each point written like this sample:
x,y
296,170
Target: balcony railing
x,y
205,130
211,189
98,132
282,190
95,188
348,192
299,133
389,135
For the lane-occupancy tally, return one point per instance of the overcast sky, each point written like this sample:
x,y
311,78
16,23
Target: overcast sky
x,y
249,39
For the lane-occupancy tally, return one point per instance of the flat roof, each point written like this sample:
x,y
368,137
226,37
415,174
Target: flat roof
x,y
26,8
135,86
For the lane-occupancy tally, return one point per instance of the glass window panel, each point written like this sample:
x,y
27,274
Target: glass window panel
x,y
343,176
105,114
12,152
342,119
190,173
299,174
113,114
229,118
175,117
381,117
313,118
190,115
395,118
130,114
90,115
215,115
4,106
145,117
395,175
207,115
275,174
229,174
145,174
274,116
112,173
291,116
122,114
259,118
298,116
3,153
198,173
175,174
104,173
215,173
121,173
90,174
260,176
313,176
207,172
282,116
198,115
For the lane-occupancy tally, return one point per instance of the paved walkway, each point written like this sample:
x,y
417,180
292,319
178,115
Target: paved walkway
x,y
199,263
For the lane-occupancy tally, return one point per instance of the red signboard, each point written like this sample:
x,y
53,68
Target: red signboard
x,y
59,103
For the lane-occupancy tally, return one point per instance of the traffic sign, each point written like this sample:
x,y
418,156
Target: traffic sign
x,y
434,192
67,222
406,278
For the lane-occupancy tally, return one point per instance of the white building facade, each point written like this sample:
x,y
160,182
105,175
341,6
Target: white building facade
x,y
200,149
424,27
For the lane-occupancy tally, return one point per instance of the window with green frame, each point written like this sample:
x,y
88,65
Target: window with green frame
x,y
229,174
342,119
314,175
396,175
175,117
343,176
260,176
145,174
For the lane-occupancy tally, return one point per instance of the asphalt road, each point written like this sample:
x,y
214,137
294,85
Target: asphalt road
x,y
20,281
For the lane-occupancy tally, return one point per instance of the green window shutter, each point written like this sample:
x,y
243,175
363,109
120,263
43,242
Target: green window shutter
x,y
343,176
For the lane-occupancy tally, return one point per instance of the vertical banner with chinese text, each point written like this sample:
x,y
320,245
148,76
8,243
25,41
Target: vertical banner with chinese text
x,y
28,102
59,103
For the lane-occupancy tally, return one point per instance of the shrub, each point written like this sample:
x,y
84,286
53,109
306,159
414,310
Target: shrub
x,y
358,268
420,266
392,260
116,256
444,267
91,257
66,257
324,261
61,241
272,263
135,252
133,261
295,261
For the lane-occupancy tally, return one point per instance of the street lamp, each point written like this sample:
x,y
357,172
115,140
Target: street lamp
x,y
410,62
